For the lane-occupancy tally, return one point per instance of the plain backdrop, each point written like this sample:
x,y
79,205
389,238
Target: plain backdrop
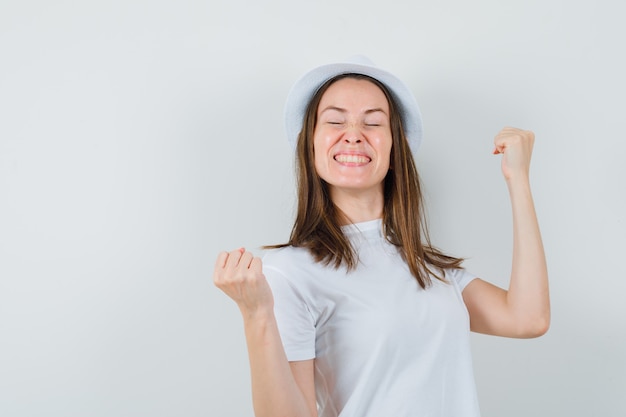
x,y
140,138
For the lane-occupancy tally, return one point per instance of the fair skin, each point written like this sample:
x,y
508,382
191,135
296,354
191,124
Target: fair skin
x,y
352,145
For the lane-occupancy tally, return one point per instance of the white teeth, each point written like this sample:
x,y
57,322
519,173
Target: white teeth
x,y
352,159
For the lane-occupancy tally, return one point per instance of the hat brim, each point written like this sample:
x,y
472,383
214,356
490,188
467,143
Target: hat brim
x,y
305,88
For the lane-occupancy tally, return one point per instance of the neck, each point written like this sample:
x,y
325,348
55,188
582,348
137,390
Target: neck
x,y
357,207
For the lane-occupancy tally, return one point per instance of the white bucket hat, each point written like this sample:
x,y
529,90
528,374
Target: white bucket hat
x,y
305,88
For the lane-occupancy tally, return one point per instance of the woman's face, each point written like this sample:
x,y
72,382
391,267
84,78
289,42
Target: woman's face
x,y
352,138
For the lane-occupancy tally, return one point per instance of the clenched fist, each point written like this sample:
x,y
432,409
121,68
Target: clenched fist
x,y
240,275
516,145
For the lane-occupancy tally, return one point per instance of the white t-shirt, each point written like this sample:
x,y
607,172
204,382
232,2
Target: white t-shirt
x,y
383,347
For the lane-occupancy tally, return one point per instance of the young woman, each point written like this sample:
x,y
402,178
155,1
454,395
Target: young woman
x,y
358,315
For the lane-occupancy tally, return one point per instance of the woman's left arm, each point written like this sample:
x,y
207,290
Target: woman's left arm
x,y
524,310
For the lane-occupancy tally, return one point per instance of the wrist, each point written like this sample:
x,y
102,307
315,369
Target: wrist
x,y
521,181
260,328
257,316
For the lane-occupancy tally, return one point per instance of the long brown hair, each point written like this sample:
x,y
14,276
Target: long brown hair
x,y
317,226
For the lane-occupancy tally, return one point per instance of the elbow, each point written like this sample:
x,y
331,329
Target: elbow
x,y
535,328
540,329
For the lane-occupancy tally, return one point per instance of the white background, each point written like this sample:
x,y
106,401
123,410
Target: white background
x,y
140,138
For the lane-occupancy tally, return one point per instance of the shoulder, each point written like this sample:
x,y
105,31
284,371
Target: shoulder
x,y
290,262
297,267
286,257
293,276
459,277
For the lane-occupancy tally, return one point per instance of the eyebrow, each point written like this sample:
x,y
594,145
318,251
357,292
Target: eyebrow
x,y
342,110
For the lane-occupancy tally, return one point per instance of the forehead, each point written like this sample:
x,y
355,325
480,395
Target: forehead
x,y
354,92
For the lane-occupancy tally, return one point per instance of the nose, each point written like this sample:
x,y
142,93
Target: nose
x,y
352,139
353,136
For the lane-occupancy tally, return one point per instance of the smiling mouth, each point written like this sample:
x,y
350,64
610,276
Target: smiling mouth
x,y
352,159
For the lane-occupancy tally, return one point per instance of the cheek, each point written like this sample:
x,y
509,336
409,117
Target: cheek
x,y
321,164
317,156
384,147
320,149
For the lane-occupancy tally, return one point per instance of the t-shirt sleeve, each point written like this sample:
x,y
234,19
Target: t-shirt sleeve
x,y
461,276
295,322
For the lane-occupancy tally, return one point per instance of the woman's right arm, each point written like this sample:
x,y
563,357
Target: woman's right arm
x,y
279,388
